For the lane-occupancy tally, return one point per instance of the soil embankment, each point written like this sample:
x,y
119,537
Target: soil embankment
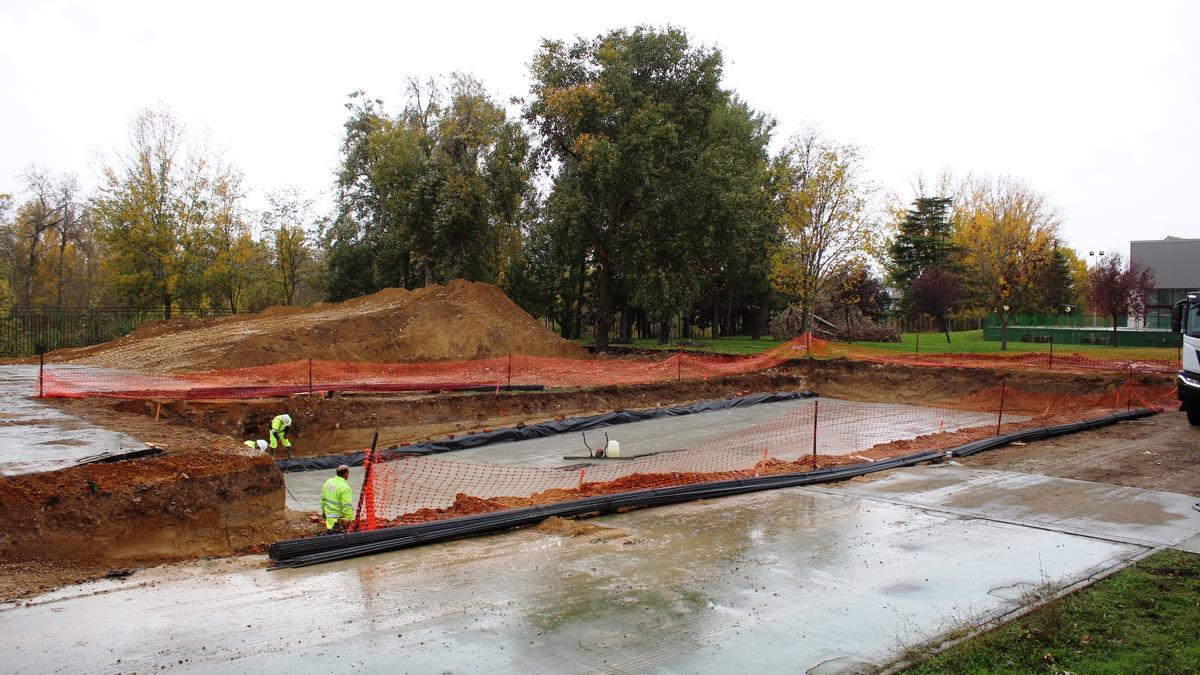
x,y
206,495
461,320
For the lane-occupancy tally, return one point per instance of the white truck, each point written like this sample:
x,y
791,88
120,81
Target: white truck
x,y
1185,319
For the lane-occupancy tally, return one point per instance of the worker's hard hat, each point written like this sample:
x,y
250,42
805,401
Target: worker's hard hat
x,y
287,419
262,445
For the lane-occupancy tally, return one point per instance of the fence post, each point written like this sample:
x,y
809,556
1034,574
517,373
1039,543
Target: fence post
x,y
510,369
310,377
1052,351
41,374
366,496
816,410
918,344
1000,417
1129,389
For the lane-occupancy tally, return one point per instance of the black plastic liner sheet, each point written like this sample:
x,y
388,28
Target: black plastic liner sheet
x,y
551,428
316,550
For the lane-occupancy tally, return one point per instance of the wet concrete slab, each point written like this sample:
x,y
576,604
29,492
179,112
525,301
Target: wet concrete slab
x,y
38,437
1101,510
785,581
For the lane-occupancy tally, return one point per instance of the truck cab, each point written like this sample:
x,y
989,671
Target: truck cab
x,y
1185,319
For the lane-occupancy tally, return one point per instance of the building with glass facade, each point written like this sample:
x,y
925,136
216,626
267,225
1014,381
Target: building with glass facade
x,y
1175,262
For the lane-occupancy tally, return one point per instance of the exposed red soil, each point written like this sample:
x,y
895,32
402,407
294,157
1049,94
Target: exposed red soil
x,y
461,320
205,496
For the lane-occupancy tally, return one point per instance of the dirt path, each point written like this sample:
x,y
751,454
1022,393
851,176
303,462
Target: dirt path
x,y
1161,452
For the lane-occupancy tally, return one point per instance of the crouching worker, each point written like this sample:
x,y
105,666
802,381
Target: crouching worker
x,y
279,428
337,501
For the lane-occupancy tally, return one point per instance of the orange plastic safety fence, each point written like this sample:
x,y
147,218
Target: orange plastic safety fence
x,y
295,377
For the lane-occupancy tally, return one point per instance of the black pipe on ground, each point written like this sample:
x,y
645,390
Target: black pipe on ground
x,y
316,550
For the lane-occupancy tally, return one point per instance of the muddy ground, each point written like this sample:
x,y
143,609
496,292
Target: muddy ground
x,y
209,497
1161,452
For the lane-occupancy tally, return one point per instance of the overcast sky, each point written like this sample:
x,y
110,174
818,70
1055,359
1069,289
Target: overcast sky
x,y
1097,105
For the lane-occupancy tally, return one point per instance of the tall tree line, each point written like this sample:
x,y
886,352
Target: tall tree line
x,y
167,228
629,191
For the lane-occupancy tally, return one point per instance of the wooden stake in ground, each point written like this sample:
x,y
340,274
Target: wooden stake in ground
x,y
1000,416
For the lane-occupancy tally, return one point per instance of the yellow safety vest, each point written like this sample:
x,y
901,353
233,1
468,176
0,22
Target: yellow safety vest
x,y
277,432
336,501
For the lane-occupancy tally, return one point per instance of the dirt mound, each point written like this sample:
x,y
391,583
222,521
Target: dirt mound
x,y
461,320
565,527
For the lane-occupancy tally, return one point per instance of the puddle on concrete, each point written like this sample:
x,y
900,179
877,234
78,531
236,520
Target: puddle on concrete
x,y
38,437
1093,509
1094,501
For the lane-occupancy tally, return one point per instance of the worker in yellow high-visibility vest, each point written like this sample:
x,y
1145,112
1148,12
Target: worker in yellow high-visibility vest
x,y
337,508
279,427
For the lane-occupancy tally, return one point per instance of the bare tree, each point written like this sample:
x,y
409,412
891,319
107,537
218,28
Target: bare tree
x,y
69,227
36,217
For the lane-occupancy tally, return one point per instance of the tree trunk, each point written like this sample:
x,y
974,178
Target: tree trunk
x,y
664,332
428,271
945,327
578,328
687,328
729,327
32,269
603,302
62,256
716,319
166,300
1004,332
1114,337
760,319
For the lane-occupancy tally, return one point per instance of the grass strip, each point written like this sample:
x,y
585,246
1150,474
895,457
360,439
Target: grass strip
x,y
1143,619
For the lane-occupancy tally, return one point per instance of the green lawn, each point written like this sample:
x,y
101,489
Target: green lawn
x,y
972,342
737,344
961,342
1144,619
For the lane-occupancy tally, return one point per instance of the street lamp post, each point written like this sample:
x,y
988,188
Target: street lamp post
x,y
1004,329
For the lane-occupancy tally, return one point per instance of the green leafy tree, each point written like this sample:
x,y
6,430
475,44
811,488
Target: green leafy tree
x,y
436,192
924,238
630,122
150,209
288,223
1057,280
